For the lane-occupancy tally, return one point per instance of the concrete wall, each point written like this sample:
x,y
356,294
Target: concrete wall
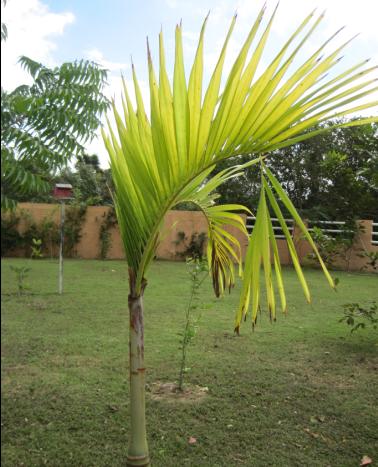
x,y
89,245
352,261
189,222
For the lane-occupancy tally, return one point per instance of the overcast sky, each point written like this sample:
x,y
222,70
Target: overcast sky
x,y
110,32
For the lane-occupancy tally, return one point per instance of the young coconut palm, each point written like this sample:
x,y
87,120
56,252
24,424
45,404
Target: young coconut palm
x,y
167,159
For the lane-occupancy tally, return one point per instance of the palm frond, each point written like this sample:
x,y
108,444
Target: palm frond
x,y
262,249
223,248
166,158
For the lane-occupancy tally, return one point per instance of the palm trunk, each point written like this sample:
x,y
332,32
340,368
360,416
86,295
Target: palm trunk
x,y
138,450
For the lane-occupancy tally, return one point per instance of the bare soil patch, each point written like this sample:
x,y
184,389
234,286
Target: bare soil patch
x,y
169,392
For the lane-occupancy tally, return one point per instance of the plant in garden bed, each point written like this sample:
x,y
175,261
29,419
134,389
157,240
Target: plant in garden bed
x,y
328,246
198,271
46,231
10,236
352,232
36,248
371,259
195,247
73,224
49,233
340,247
21,273
168,159
110,220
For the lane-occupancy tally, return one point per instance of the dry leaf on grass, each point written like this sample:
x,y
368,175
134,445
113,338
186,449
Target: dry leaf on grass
x,y
311,433
366,461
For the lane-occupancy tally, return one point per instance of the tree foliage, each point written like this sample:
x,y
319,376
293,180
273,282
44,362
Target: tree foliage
x,y
91,184
46,124
332,175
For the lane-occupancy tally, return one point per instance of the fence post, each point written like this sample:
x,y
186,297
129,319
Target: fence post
x,y
62,213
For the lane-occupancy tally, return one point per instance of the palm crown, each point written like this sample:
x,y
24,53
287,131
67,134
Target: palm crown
x,y
166,159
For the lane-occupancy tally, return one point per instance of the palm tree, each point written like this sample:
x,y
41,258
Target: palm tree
x,y
167,159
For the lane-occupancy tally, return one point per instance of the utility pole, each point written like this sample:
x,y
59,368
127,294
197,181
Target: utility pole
x,y
62,213
62,191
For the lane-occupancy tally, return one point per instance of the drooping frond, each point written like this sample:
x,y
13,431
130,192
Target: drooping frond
x,y
263,250
223,248
157,160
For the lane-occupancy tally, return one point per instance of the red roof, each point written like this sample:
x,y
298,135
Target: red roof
x,y
63,191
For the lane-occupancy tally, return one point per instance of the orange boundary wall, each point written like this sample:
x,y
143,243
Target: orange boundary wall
x,y
189,222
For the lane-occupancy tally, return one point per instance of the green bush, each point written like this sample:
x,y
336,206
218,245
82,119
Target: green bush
x,y
10,237
358,316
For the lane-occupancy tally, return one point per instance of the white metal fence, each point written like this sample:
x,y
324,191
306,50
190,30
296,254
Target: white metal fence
x,y
335,229
331,228
278,232
374,233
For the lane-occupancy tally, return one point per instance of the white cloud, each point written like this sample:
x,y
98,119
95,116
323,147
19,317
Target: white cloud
x,y
97,56
32,28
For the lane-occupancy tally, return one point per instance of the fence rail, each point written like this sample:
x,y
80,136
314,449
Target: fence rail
x,y
278,232
374,233
332,228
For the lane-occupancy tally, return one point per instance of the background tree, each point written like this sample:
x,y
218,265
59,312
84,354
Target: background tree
x,y
46,124
91,184
330,176
165,160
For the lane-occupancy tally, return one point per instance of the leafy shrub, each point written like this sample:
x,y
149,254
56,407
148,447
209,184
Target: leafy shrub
x,y
36,248
73,223
10,236
46,231
357,316
21,274
371,259
194,248
336,247
110,220
328,246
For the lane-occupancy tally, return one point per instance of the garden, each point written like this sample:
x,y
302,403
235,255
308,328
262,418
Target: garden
x,y
301,391
256,175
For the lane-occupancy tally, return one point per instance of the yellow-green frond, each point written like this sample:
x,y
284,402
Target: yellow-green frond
x,y
166,156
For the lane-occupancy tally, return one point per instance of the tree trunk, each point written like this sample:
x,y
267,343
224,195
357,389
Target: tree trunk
x,y
138,449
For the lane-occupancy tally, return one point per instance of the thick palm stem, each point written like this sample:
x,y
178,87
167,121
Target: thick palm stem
x,y
138,448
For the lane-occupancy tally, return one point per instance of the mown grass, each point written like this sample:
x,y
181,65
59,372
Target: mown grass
x,y
300,392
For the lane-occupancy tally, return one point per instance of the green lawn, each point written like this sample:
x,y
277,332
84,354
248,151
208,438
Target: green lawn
x,y
299,392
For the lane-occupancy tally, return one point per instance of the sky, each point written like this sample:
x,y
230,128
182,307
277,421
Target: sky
x,y
111,32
